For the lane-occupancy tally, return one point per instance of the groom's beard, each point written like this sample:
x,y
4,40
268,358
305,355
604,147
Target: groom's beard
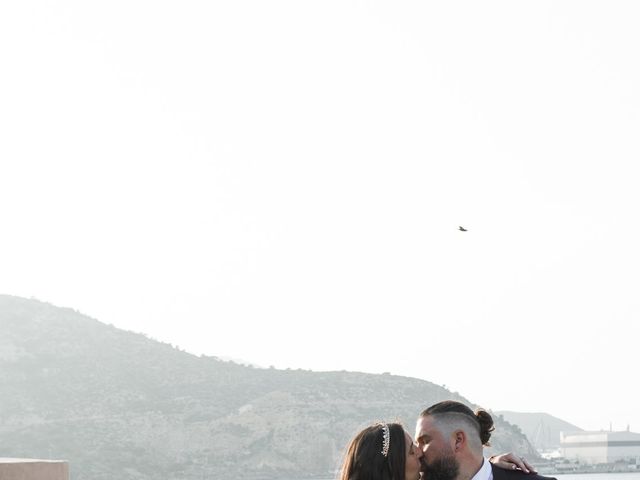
x,y
444,468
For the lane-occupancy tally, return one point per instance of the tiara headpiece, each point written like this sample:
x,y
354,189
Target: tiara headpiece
x,y
385,439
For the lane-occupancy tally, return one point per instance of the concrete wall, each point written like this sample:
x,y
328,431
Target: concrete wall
x,y
588,447
32,469
601,447
624,445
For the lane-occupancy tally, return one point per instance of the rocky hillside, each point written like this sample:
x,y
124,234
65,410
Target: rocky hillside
x,y
542,429
117,404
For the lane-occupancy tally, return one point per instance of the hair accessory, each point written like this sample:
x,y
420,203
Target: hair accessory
x,y
385,439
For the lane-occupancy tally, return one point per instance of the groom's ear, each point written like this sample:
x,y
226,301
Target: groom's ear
x,y
459,440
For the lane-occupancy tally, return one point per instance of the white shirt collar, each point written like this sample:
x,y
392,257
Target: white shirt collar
x,y
485,472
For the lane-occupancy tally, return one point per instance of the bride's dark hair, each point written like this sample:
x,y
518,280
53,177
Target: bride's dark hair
x,y
364,459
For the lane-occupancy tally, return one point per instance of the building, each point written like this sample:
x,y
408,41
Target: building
x,y
32,469
601,447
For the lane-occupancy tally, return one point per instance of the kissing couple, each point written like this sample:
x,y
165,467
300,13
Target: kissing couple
x,y
448,445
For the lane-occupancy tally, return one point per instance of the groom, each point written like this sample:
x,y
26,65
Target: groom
x,y
451,437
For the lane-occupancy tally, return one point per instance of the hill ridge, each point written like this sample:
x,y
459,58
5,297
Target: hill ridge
x,y
542,429
114,401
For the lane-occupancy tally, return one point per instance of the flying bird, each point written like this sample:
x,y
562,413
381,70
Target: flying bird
x,y
462,229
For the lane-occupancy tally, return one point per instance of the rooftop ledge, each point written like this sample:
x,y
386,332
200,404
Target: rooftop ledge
x,y
33,469
29,460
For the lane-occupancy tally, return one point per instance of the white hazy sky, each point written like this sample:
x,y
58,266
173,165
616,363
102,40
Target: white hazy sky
x,y
282,182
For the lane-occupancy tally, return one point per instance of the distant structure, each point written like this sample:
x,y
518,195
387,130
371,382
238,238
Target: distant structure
x,y
33,469
600,447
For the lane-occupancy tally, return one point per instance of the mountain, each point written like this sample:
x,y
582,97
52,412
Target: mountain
x,y
117,404
542,429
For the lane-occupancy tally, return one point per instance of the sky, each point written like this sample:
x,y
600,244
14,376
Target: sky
x,y
282,182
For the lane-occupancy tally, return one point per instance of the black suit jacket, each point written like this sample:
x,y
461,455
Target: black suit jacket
x,y
502,474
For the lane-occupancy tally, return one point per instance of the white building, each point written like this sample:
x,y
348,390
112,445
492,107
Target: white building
x,y
600,447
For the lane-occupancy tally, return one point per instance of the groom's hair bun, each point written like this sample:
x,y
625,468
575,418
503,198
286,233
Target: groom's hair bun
x,y
486,425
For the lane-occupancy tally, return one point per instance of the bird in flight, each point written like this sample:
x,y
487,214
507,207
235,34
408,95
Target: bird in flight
x,y
462,229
